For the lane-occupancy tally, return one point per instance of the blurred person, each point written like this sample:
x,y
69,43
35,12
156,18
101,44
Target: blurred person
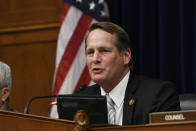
x,y
5,86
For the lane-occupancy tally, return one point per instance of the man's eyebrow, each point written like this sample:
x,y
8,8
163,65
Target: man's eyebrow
x,y
105,47
101,47
89,48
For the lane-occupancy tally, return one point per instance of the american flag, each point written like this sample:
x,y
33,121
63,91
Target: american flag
x,y
71,70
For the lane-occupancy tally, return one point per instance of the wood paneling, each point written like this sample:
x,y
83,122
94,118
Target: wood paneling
x,y
28,38
14,13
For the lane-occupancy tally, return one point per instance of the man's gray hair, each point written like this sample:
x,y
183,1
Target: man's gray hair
x,y
5,76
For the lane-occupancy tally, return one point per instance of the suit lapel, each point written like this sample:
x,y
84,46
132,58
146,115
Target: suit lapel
x,y
129,102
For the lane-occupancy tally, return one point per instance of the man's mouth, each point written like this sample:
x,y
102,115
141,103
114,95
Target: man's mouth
x,y
97,70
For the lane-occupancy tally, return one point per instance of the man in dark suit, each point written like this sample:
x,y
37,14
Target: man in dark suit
x,y
130,98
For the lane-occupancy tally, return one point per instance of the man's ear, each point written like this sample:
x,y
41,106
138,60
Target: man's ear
x,y
5,94
127,56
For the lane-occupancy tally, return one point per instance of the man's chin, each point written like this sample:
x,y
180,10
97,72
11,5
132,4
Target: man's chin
x,y
97,80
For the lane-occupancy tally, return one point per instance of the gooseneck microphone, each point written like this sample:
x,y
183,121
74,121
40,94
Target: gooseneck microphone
x,y
26,110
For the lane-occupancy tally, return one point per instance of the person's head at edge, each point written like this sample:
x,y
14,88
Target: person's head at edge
x,y
5,85
108,54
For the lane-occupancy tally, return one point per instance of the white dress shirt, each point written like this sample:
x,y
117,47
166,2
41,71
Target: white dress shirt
x,y
117,94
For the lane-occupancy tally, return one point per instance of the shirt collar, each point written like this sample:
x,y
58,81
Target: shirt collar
x,y
117,94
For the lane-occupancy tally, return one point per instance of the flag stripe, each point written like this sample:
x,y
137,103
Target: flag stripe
x,y
66,32
75,71
71,50
84,78
65,9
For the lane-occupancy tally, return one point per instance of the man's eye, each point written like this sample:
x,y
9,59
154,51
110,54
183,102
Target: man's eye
x,y
89,52
105,50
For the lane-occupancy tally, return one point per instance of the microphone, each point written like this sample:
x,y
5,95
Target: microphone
x,y
26,110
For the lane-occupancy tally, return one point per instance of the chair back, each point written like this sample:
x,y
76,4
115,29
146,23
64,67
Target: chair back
x,y
187,101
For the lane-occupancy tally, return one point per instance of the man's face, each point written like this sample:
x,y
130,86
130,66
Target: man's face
x,y
1,95
104,61
4,94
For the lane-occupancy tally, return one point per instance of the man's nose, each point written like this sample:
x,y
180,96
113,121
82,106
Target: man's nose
x,y
96,57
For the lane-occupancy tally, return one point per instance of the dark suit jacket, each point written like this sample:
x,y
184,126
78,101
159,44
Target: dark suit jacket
x,y
149,95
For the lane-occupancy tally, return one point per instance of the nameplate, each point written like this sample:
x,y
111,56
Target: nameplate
x,y
176,116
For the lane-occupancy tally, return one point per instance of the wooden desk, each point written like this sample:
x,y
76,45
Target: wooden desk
x,y
11,121
177,126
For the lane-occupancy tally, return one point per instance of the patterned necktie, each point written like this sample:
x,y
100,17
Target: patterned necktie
x,y
111,110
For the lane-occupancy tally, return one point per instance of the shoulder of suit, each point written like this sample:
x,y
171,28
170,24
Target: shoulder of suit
x,y
148,82
150,87
141,78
